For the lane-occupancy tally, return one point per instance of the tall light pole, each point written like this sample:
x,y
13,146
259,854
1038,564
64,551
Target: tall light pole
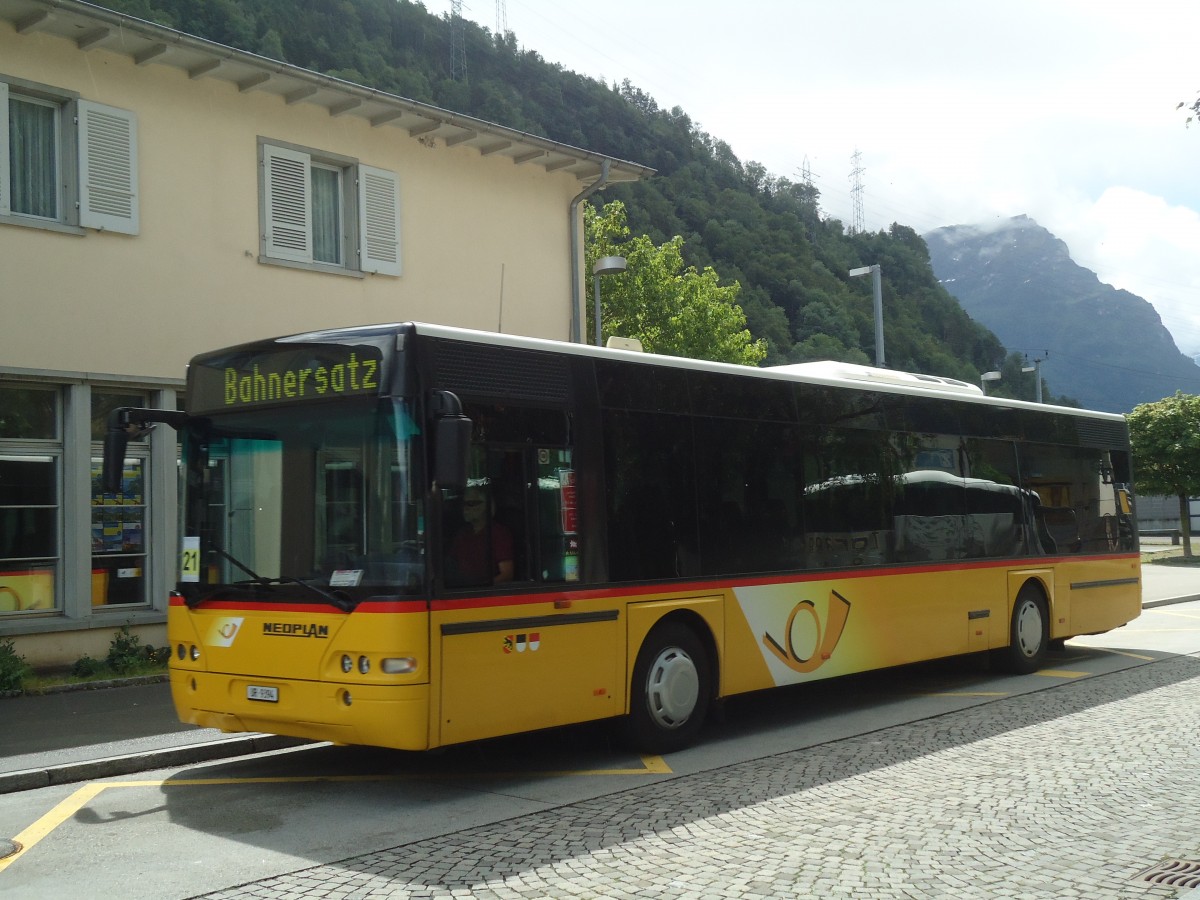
x,y
606,265
986,377
877,285
1036,369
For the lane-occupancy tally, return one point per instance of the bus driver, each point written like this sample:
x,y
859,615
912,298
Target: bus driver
x,y
481,551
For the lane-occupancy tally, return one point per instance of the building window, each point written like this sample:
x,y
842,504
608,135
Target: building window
x,y
33,142
327,212
327,203
30,491
119,523
66,161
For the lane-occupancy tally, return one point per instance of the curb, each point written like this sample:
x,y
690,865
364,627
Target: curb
x,y
113,766
1171,600
119,681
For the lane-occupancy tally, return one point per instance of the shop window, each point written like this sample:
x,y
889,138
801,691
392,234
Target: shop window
x,y
30,491
119,520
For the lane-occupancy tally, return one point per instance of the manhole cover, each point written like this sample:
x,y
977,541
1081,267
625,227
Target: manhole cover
x,y
1175,872
8,848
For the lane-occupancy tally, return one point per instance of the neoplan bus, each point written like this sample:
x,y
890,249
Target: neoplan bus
x,y
651,534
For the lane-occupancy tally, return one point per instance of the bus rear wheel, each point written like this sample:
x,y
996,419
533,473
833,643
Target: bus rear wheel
x,y
1028,634
670,691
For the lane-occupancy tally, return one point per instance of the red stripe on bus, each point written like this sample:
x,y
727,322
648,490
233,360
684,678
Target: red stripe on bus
x,y
641,590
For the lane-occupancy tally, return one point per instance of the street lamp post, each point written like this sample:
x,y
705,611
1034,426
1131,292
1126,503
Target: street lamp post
x,y
1036,369
986,377
877,286
606,265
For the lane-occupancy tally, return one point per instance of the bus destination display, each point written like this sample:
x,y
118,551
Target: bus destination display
x,y
282,377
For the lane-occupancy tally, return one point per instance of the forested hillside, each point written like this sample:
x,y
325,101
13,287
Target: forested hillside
x,y
762,230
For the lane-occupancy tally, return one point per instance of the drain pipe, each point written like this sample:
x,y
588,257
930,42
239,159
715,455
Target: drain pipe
x,y
577,247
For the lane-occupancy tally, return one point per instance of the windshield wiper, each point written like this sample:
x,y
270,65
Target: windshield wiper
x,y
258,579
340,599
247,587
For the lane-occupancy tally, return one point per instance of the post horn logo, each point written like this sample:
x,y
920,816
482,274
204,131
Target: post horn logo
x,y
827,639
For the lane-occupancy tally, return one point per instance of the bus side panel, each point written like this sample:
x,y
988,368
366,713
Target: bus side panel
x,y
502,674
1104,594
786,633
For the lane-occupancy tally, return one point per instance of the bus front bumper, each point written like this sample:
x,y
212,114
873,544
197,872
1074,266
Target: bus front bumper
x,y
395,716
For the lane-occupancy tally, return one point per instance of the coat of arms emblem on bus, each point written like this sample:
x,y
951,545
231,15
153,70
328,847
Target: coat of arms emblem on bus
x,y
826,639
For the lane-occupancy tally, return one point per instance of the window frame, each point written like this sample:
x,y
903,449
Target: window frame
x,y
96,165
368,213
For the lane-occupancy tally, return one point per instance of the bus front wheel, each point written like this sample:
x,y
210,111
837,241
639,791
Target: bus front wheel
x,y
670,691
1028,634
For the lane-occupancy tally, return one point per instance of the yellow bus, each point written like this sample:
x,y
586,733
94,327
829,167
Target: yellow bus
x,y
412,535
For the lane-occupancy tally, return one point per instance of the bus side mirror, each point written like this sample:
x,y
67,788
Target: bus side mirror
x,y
125,422
451,441
116,439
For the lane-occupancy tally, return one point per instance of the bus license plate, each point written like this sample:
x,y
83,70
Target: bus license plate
x,y
256,692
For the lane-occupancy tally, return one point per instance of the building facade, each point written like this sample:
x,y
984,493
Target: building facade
x,y
161,195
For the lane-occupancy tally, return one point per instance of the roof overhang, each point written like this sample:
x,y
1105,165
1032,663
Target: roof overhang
x,y
95,28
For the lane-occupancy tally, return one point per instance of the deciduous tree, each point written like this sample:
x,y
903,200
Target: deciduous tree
x,y
672,309
1165,437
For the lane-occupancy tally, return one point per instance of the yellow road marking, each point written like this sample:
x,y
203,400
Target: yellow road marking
x,y
1126,653
51,820
31,836
1062,673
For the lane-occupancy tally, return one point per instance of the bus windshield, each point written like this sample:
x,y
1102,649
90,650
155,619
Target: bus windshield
x,y
309,503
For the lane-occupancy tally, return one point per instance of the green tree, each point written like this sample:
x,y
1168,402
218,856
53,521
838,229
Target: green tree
x,y
672,309
1165,437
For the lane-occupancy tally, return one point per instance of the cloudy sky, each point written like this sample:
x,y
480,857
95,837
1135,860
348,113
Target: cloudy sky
x,y
963,112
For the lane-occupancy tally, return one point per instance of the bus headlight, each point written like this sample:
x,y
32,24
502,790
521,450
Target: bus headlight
x,y
195,653
398,665
364,665
347,663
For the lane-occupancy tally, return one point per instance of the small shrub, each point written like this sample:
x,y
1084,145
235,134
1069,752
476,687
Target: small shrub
x,y
87,667
158,656
126,653
13,668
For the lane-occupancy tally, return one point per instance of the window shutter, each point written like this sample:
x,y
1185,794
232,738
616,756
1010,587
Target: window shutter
x,y
378,221
5,186
108,168
288,204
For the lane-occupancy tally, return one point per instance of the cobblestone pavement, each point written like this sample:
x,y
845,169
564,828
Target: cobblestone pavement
x,y
1071,792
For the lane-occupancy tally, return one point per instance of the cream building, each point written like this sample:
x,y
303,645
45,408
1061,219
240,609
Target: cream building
x,y
162,195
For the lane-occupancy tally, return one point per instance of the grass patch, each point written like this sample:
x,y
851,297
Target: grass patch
x,y
43,682
127,658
